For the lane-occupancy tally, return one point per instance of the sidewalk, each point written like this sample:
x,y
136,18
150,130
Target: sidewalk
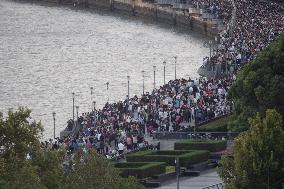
x,y
206,178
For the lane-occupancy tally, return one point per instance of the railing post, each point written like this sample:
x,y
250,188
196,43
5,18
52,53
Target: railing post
x,y
111,3
174,17
133,7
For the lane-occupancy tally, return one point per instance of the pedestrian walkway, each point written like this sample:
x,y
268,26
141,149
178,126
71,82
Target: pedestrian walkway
x,y
206,178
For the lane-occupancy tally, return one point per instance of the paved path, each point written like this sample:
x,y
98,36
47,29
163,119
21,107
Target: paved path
x,y
206,178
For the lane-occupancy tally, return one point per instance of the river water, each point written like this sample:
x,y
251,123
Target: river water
x,y
48,52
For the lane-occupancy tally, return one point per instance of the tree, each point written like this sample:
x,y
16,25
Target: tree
x,y
19,134
94,171
259,85
258,155
19,137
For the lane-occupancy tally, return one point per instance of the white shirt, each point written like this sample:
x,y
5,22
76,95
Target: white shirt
x,y
120,146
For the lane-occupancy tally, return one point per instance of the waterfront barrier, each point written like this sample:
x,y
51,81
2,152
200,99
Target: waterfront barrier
x,y
70,131
179,13
195,135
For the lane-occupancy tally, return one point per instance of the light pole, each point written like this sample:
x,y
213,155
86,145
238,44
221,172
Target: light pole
x,y
53,114
94,104
91,88
77,110
175,57
91,91
128,79
177,171
107,83
210,47
143,72
195,122
154,68
164,63
73,95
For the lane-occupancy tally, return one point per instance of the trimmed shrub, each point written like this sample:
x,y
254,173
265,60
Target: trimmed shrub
x,y
219,125
141,170
210,145
186,157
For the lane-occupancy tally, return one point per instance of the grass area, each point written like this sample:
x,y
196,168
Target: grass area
x,y
219,125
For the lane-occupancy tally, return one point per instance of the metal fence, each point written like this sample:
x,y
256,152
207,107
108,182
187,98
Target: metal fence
x,y
196,135
215,186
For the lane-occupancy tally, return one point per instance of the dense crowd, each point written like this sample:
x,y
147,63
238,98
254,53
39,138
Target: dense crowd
x,y
183,103
120,127
256,24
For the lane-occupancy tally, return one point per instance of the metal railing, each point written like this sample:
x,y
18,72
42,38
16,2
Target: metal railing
x,y
215,186
196,135
70,132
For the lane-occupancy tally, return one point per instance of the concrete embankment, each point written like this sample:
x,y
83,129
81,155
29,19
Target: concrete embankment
x,y
162,14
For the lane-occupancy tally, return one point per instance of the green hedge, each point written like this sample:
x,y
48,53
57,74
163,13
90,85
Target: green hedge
x,y
186,157
210,145
141,169
219,125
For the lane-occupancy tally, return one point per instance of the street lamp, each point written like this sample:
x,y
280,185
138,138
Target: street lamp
x,y
143,72
164,63
77,110
107,83
94,104
210,47
175,57
128,78
53,114
195,121
73,95
91,91
91,88
154,68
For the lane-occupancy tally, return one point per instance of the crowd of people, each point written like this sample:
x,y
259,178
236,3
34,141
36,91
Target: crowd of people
x,y
182,103
255,25
119,128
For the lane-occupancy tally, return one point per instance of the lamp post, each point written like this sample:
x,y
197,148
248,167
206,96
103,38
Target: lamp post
x,y
177,171
143,72
107,83
94,104
128,79
210,47
195,122
175,57
154,68
164,63
53,114
91,88
77,110
73,95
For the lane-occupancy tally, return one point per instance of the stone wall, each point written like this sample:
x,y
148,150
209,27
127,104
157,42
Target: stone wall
x,y
163,14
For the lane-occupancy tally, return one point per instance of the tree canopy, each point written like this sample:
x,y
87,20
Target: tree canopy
x,y
44,169
258,155
259,85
